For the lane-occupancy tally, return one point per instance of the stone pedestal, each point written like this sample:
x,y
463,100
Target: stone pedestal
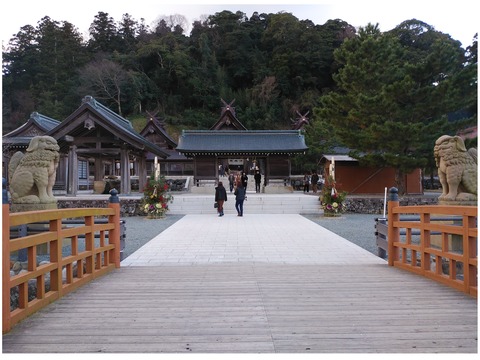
x,y
32,207
458,203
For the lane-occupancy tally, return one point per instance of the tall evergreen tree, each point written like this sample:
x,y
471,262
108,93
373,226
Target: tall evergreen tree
x,y
127,33
39,70
388,107
103,34
61,51
19,66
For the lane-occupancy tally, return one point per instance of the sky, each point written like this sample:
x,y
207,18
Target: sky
x,y
456,18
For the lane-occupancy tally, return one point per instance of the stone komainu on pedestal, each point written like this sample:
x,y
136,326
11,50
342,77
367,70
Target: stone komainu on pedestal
x,y
32,175
457,169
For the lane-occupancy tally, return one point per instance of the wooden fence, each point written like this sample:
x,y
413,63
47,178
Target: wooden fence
x,y
445,251
96,259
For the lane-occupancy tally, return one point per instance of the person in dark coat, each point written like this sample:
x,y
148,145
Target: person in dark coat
x,y
315,179
258,180
244,179
231,180
239,198
306,182
220,197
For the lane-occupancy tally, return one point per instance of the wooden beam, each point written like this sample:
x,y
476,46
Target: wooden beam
x,y
94,151
95,140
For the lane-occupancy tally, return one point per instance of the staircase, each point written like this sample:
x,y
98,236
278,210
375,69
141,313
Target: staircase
x,y
275,186
256,203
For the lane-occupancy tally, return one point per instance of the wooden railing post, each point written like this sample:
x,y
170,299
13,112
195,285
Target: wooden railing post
x,y
6,324
393,233
469,254
114,235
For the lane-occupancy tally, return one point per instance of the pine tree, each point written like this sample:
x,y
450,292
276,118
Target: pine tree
x,y
393,95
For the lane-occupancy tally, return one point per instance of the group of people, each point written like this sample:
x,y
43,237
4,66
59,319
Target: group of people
x,y
238,184
223,171
234,179
310,179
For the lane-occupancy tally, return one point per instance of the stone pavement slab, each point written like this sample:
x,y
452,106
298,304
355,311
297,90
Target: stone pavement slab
x,y
253,238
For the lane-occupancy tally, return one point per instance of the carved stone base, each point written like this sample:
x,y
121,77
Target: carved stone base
x,y
32,207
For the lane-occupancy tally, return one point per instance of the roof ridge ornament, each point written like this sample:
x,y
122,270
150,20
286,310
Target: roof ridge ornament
x,y
301,121
153,118
90,100
228,107
35,115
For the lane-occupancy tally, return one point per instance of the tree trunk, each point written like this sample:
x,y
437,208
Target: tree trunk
x,y
400,181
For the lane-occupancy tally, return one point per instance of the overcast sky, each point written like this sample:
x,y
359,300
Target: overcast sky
x,y
456,18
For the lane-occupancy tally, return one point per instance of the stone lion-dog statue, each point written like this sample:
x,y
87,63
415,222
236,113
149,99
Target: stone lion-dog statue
x,y
32,175
457,169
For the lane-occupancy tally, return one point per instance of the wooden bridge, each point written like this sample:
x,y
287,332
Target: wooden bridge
x,y
266,284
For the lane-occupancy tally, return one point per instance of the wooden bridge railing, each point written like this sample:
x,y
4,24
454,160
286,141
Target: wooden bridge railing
x,y
95,259
442,251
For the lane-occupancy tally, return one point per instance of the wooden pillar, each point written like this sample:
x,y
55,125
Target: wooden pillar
x,y
61,180
99,169
125,172
72,178
142,172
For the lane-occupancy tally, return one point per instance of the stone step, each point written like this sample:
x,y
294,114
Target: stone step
x,y
255,204
275,186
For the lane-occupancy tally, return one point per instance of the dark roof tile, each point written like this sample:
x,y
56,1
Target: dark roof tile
x,y
238,141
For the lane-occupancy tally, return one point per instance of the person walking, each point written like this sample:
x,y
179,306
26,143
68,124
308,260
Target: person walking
x,y
306,183
239,198
315,181
258,180
220,197
231,180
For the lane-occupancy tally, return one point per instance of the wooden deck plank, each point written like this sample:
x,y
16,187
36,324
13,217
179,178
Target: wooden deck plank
x,y
254,308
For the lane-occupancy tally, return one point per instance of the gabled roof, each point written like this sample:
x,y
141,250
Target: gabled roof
x,y
36,125
156,126
228,119
241,142
90,114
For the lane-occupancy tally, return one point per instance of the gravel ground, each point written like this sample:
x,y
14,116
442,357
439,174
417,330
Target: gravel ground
x,y
141,230
357,228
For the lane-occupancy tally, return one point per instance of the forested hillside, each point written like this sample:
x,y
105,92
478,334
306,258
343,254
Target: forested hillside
x,y
350,81
271,64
